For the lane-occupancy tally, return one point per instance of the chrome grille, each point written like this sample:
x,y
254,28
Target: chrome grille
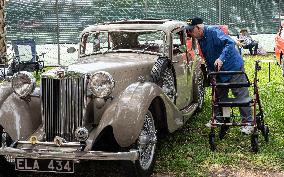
x,y
63,106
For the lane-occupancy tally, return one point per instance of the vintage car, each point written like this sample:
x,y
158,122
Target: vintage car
x,y
133,81
279,47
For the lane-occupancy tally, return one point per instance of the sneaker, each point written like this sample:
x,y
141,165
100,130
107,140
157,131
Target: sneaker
x,y
247,129
208,124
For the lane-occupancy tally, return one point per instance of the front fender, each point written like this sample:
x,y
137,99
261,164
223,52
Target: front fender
x,y
126,114
18,117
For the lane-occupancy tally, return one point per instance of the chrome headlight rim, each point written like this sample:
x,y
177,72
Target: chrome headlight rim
x,y
101,84
21,79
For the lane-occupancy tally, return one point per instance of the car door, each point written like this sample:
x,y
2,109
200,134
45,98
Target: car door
x,y
183,68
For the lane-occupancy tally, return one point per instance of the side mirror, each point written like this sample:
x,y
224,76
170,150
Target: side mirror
x,y
71,50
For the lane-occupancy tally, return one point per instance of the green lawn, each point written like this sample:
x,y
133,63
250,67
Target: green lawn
x,y
186,152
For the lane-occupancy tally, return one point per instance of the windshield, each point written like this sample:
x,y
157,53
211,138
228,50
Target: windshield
x,y
116,41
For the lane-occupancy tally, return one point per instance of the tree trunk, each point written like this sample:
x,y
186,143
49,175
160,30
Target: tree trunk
x,y
3,45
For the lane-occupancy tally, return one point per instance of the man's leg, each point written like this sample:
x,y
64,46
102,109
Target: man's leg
x,y
255,48
221,93
244,111
242,92
250,49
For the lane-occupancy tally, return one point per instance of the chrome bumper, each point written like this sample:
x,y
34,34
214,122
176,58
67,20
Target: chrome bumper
x,y
73,154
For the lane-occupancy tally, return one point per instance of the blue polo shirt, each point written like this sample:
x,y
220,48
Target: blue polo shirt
x,y
216,44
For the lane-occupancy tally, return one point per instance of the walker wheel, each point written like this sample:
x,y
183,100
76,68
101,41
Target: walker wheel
x,y
212,141
254,142
223,131
265,133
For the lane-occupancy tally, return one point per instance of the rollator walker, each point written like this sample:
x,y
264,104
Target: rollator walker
x,y
227,116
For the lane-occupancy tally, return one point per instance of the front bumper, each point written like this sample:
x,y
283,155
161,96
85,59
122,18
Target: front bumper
x,y
67,154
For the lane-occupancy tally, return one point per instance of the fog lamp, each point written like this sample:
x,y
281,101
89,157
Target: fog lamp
x,y
81,134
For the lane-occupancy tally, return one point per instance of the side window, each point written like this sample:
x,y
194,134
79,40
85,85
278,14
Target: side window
x,y
94,42
191,46
178,42
83,43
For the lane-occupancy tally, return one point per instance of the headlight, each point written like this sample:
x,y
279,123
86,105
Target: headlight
x,y
101,84
23,83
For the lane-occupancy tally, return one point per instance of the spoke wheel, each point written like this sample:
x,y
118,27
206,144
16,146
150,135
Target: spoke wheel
x,y
146,146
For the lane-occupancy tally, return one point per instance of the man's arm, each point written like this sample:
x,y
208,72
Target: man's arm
x,y
227,42
221,39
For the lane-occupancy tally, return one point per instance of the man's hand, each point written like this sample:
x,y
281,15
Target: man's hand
x,y
238,43
218,64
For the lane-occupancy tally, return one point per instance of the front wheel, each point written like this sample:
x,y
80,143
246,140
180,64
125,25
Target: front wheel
x,y
146,145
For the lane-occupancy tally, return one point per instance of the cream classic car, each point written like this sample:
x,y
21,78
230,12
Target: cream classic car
x,y
133,81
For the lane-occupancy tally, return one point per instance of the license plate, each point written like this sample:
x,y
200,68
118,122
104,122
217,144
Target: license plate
x,y
44,165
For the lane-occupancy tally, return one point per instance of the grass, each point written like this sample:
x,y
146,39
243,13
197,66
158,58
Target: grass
x,y
186,152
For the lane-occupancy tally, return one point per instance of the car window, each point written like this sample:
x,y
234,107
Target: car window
x,y
152,41
178,41
94,42
191,46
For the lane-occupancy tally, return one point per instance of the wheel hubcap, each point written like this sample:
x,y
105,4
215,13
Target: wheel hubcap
x,y
147,142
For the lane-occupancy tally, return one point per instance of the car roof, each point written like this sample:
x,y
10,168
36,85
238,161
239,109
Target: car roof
x,y
165,25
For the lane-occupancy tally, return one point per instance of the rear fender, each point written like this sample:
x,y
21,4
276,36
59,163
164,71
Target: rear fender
x,y
18,117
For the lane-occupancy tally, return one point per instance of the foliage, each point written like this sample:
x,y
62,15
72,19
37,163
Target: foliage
x,y
186,152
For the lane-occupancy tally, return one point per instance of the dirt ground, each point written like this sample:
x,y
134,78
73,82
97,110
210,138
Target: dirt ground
x,y
116,169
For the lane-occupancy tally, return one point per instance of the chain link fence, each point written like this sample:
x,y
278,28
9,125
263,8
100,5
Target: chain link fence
x,y
55,25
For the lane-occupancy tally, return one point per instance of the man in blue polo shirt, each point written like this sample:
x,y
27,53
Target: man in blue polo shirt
x,y
219,52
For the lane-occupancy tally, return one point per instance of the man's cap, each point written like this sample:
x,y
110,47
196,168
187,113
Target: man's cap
x,y
191,22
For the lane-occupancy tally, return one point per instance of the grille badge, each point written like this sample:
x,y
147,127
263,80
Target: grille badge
x,y
33,140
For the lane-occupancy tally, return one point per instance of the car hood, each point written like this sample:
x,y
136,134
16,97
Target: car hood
x,y
110,62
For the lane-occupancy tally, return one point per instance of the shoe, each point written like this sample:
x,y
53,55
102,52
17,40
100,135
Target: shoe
x,y
209,123
247,129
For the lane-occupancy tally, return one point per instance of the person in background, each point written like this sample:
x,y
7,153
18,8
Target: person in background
x,y
219,51
247,42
